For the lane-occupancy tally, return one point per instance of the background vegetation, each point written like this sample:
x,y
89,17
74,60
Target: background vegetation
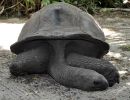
x,y
26,7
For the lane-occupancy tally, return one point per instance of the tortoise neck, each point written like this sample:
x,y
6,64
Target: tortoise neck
x,y
59,51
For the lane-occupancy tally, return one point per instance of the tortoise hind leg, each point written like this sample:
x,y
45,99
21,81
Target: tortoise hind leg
x,y
99,65
33,61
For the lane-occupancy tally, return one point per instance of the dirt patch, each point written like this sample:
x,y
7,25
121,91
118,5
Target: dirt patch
x,y
13,20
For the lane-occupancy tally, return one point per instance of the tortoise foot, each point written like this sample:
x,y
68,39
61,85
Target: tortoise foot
x,y
33,61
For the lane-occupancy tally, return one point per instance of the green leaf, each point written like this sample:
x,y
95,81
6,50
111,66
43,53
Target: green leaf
x,y
32,2
45,2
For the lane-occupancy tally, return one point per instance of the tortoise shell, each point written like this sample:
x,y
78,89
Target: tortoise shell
x,y
61,21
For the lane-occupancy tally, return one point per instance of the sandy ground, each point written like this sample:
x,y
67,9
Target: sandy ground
x,y
43,87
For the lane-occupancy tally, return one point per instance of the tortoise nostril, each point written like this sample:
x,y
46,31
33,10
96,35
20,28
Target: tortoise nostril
x,y
97,82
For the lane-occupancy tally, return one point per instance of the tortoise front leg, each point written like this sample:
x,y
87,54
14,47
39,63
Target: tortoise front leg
x,y
99,65
80,78
32,61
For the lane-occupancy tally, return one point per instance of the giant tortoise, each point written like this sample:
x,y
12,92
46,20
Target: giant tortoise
x,y
68,44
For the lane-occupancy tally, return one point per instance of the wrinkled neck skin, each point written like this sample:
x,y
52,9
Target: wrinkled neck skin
x,y
57,66
58,56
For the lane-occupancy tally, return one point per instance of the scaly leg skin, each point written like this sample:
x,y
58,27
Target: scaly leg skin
x,y
33,61
80,78
99,65
84,79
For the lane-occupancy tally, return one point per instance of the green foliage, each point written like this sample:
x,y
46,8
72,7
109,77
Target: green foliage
x,y
25,7
29,4
125,47
45,2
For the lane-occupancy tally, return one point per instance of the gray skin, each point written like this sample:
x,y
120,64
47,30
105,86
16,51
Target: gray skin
x,y
72,63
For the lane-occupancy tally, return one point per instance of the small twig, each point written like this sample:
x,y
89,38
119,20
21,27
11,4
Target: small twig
x,y
1,3
14,5
2,10
22,5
